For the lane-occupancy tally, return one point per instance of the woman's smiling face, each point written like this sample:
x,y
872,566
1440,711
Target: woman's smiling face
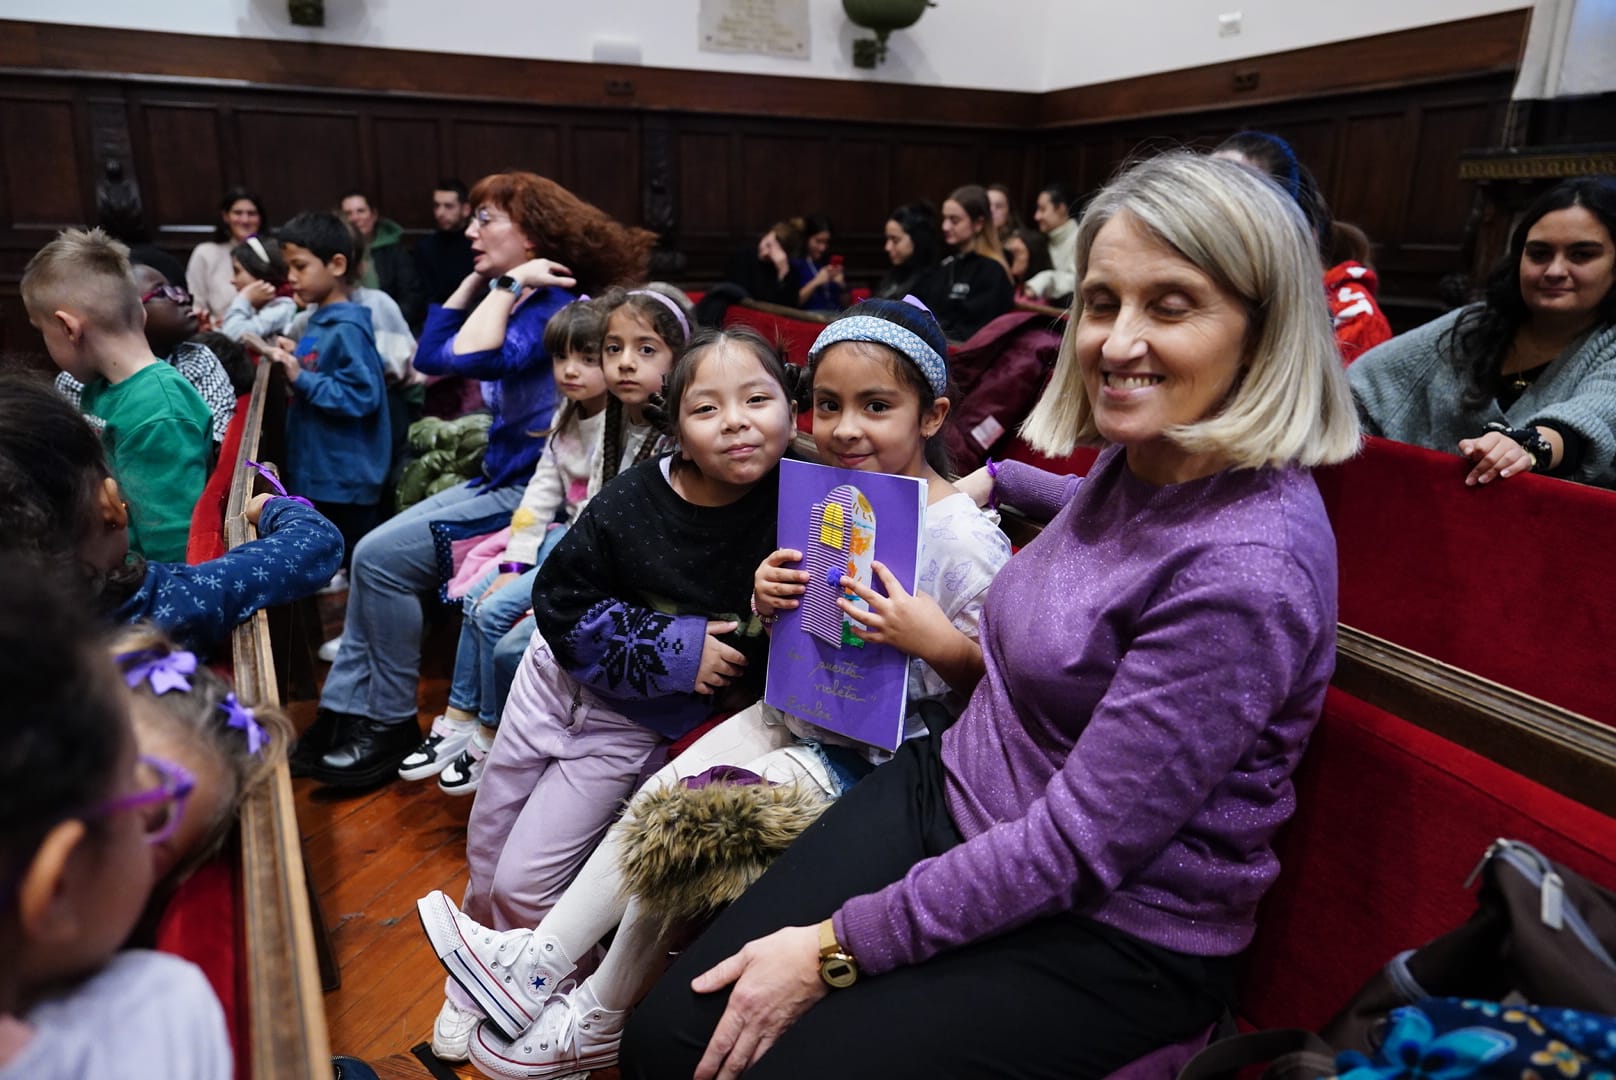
x,y
1160,345
1566,265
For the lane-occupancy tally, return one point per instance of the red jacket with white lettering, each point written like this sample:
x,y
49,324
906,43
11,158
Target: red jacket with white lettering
x,y
1359,323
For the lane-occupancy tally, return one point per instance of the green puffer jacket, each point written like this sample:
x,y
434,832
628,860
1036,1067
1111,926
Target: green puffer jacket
x,y
443,453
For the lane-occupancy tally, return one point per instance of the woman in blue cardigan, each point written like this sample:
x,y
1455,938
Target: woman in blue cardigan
x,y
532,243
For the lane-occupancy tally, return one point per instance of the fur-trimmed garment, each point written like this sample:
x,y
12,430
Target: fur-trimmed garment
x,y
689,851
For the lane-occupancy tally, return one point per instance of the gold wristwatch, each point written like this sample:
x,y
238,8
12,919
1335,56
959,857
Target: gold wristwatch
x,y
836,965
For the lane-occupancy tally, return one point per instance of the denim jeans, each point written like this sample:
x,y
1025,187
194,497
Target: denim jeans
x,y
379,665
475,686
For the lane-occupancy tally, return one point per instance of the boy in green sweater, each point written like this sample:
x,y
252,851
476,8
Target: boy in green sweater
x,y
80,294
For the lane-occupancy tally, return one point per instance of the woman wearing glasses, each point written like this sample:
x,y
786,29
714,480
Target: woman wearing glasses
x,y
79,816
533,243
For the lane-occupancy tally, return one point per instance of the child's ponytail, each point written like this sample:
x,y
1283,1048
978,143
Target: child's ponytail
x,y
198,708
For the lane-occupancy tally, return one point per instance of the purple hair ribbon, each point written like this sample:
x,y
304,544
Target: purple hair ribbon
x,y
241,718
165,673
275,482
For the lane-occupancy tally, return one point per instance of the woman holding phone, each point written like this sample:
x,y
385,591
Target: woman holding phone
x,y
821,283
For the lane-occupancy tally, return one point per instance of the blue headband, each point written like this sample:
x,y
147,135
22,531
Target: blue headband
x,y
906,341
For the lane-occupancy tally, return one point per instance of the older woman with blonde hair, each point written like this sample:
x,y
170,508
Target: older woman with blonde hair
x,y
1059,883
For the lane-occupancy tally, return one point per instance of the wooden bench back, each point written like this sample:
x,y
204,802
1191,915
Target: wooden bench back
x,y
286,1010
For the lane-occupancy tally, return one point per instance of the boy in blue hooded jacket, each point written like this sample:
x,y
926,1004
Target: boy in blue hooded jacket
x,y
338,443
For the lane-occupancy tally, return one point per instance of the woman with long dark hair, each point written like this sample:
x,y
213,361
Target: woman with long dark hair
x,y
1524,381
912,245
971,286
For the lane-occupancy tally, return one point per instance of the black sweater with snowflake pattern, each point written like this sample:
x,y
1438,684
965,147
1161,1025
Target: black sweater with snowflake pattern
x,y
625,598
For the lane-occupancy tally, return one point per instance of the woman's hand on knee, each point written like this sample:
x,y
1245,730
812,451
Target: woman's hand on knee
x,y
498,582
776,980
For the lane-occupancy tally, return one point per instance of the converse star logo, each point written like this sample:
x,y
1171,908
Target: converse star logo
x,y
539,981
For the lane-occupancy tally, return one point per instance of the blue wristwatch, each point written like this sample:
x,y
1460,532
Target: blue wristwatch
x,y
507,283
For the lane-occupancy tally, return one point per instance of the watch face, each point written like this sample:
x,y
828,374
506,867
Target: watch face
x,y
838,971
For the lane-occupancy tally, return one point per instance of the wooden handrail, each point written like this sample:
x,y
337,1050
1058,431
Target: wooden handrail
x,y
1559,749
287,1025
783,312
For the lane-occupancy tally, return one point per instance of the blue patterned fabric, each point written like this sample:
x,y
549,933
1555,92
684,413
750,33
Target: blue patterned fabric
x,y
297,552
1450,1039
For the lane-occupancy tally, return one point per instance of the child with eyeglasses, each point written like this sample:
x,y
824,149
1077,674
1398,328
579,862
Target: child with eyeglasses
x,y
157,430
171,331
79,815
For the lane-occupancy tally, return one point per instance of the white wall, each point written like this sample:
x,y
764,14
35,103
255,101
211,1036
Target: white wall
x,y
943,49
1093,41
1028,45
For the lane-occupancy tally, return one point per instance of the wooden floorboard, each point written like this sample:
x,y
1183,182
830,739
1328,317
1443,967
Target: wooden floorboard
x,y
370,857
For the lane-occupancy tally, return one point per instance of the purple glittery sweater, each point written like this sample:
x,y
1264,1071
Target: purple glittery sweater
x,y
1155,662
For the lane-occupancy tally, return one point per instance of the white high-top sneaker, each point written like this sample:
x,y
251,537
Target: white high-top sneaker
x,y
508,973
451,1032
573,1035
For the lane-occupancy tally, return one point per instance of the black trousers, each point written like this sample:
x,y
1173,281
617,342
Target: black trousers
x,y
1062,997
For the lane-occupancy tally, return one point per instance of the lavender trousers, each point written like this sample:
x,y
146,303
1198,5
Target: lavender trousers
x,y
561,766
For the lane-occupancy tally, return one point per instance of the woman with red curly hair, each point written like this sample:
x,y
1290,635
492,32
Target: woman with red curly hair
x,y
533,244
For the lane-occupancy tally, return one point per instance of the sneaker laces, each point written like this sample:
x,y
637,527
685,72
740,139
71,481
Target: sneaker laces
x,y
556,1029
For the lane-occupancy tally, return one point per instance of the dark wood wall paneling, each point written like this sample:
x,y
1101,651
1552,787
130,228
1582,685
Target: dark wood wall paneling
x,y
713,158
1387,161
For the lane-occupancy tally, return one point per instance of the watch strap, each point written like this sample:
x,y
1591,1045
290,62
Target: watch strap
x,y
505,283
837,967
1531,440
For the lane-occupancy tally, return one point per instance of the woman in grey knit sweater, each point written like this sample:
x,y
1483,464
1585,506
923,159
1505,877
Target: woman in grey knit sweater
x,y
1526,380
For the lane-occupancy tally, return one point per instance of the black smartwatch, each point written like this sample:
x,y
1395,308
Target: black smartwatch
x,y
505,283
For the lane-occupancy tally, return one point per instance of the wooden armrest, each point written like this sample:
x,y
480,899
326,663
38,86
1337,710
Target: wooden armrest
x,y
284,1004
